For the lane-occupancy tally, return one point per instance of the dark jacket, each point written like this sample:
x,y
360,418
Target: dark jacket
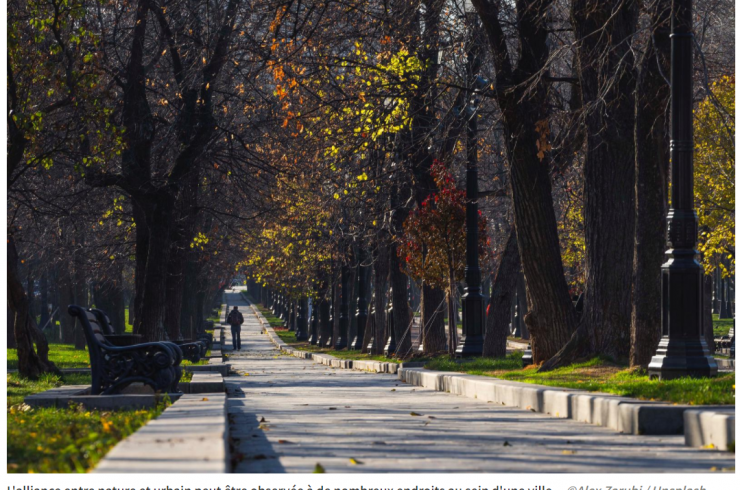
x,y
235,318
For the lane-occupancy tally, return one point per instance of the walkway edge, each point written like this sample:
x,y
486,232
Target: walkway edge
x,y
190,436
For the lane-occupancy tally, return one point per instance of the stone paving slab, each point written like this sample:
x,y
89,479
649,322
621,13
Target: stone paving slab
x,y
222,368
713,428
289,414
190,436
205,382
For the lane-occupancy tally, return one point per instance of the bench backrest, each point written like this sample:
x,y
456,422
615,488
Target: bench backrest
x,y
103,321
95,336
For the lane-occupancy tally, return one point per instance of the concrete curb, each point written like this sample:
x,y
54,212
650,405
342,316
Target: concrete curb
x,y
725,364
710,428
190,436
622,414
79,395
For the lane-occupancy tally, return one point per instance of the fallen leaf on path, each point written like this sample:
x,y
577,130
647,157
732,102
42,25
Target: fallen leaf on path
x,y
432,417
393,389
414,414
354,461
506,443
569,451
379,443
284,441
318,469
332,408
204,399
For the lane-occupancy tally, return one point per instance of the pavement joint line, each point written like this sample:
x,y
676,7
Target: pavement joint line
x,y
619,413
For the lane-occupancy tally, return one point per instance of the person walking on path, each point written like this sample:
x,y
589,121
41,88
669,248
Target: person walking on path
x,y
236,319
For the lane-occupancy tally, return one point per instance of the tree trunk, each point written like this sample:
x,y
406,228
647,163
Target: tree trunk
x,y
433,320
66,298
189,321
175,283
502,297
141,251
11,329
451,319
400,300
158,217
607,84
44,302
79,289
609,169
522,97
30,363
381,267
31,293
651,170
325,326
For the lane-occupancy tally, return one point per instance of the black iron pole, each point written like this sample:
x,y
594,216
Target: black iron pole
x,y
682,350
472,301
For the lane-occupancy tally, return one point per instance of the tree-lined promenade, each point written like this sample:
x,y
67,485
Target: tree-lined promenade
x,y
426,178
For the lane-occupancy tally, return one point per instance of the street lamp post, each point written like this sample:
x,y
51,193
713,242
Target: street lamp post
x,y
682,350
473,316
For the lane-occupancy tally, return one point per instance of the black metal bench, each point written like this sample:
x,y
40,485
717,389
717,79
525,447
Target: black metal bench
x,y
156,364
192,351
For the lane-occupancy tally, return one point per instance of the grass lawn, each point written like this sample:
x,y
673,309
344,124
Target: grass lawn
x,y
65,356
721,327
274,321
69,440
601,375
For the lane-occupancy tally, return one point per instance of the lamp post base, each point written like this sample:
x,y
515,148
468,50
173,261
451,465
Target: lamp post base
x,y
676,358
473,319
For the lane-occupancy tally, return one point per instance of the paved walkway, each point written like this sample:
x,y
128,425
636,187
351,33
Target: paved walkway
x,y
289,414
